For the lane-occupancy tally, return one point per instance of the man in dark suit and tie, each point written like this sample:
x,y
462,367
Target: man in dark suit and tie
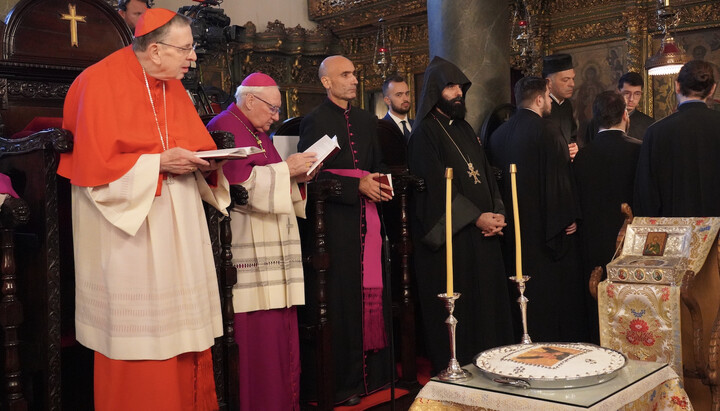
x,y
396,95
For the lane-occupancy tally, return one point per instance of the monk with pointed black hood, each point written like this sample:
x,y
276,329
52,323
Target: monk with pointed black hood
x,y
444,139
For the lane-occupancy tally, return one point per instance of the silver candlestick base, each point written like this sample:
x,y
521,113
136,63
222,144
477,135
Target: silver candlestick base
x,y
522,300
453,372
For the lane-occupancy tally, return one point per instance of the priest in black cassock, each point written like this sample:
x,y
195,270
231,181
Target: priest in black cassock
x,y
442,138
678,171
354,290
548,214
558,70
605,176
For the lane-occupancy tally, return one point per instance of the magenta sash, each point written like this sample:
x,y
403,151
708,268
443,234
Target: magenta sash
x,y
374,336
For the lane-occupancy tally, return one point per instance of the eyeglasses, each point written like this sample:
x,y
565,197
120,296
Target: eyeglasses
x,y
275,109
187,50
636,95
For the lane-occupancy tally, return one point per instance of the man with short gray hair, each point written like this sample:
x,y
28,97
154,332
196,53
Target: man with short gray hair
x,y
558,70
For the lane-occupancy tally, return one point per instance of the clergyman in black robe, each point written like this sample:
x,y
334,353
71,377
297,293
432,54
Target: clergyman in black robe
x,y
442,138
358,368
558,69
548,214
605,176
678,171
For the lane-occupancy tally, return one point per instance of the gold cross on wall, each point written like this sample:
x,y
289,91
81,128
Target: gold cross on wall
x,y
74,19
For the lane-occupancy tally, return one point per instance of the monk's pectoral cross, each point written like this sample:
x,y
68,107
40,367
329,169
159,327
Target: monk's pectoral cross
x,y
473,173
74,19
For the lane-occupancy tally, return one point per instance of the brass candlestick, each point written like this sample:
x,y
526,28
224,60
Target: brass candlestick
x,y
453,372
522,300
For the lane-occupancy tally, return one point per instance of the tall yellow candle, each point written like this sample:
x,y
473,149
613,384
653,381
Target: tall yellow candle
x,y
448,230
516,219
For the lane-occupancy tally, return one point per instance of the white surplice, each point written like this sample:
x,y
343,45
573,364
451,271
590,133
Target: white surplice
x,y
266,242
146,287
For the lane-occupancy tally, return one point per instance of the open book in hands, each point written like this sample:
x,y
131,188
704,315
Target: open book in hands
x,y
323,148
229,153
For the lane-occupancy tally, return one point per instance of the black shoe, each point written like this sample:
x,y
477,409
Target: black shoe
x,y
354,400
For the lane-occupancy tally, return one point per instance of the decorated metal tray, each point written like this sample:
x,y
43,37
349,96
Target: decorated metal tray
x,y
550,365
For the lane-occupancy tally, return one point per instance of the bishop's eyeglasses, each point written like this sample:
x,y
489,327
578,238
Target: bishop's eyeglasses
x,y
275,109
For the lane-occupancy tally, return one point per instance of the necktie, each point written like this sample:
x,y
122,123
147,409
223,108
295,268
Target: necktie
x,y
405,130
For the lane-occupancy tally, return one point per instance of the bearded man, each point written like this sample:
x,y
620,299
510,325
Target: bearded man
x,y
548,214
396,95
444,139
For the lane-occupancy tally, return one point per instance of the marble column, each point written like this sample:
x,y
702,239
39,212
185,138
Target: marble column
x,y
474,34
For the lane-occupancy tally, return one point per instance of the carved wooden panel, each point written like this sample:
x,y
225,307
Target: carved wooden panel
x,y
39,33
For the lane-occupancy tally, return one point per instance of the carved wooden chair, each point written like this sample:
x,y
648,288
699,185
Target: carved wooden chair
x,y
225,351
13,213
319,330
31,163
397,225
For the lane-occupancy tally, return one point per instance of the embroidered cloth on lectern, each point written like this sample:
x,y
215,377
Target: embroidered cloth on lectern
x,y
639,305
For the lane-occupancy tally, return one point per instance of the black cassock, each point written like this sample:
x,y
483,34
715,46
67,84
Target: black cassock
x,y
605,177
483,311
678,171
547,205
357,372
564,118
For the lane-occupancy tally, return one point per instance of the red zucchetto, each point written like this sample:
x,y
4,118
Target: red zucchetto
x,y
153,19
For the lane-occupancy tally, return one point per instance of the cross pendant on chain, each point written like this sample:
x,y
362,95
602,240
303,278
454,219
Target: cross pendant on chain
x,y
473,173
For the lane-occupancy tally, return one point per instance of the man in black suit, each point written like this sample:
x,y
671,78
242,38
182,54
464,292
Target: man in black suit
x,y
678,172
630,86
396,94
605,176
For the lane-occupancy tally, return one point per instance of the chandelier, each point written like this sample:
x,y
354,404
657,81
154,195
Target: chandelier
x,y
671,56
520,45
382,56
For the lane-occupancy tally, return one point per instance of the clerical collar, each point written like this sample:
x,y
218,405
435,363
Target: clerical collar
x,y
610,129
334,104
556,100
